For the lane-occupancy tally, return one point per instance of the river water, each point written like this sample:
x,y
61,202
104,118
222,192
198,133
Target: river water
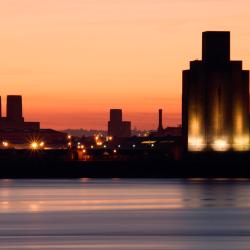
x,y
125,214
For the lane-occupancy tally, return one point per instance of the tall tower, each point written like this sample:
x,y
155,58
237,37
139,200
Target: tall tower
x,y
160,125
116,115
215,100
115,121
14,108
116,126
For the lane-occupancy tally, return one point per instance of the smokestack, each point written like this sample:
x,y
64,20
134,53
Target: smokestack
x,y
14,107
160,126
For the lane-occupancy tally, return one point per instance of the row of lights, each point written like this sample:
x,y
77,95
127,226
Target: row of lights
x,y
37,145
5,144
33,145
197,144
105,146
99,142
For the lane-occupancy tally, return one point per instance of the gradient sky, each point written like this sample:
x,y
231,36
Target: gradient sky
x,y
73,60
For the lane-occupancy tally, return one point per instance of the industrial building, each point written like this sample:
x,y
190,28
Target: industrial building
x,y
14,115
116,126
18,133
165,131
215,99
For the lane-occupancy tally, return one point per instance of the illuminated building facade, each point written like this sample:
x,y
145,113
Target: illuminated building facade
x,y
215,99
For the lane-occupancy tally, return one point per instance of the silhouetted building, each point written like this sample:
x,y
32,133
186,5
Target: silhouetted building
x,y
20,134
165,132
14,119
23,138
117,127
14,108
125,129
215,99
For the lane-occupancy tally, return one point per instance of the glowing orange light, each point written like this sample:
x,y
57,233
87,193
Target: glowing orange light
x,y
220,145
195,144
5,144
109,138
34,145
241,143
148,142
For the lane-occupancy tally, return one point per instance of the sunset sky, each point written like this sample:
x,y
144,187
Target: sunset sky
x,y
73,60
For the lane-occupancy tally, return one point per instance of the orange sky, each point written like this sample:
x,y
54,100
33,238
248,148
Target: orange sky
x,y
72,60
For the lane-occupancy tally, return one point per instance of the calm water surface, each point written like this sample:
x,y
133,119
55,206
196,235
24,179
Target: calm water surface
x,y
125,214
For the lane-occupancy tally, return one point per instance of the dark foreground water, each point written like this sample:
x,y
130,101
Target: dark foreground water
x,y
124,214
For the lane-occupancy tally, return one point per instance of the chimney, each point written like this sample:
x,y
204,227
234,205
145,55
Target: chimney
x,y
160,126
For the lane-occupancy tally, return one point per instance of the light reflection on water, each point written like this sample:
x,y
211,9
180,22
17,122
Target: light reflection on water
x,y
125,214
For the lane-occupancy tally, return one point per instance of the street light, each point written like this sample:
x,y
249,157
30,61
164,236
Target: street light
x,y
34,145
5,144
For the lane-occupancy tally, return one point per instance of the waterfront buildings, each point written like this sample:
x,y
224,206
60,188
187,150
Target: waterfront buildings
x,y
14,118
18,133
116,126
165,131
215,100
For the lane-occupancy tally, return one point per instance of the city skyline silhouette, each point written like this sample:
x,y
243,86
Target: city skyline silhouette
x,y
78,59
125,124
